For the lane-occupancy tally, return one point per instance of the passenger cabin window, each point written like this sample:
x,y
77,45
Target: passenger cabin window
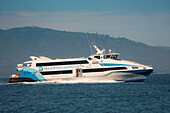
x,y
27,65
62,63
90,58
98,57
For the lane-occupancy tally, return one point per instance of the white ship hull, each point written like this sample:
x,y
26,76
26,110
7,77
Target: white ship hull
x,y
99,66
116,76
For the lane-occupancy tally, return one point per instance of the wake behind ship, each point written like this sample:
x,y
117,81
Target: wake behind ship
x,y
99,66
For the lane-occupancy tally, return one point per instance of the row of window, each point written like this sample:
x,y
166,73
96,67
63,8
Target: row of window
x,y
103,69
107,57
56,72
62,63
84,70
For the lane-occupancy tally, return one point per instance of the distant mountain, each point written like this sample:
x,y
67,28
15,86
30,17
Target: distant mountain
x,y
17,44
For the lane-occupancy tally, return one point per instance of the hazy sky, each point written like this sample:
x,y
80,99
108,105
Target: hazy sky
x,y
146,21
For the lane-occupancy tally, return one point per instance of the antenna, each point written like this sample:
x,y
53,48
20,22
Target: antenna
x,y
93,38
89,44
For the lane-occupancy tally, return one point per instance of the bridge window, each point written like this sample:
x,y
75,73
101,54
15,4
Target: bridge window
x,y
106,56
90,58
98,57
113,57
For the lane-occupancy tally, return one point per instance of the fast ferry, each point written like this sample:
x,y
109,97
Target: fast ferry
x,y
99,66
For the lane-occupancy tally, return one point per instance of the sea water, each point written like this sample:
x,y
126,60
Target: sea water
x,y
151,96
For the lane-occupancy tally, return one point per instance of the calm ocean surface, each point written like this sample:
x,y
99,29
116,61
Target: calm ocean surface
x,y
151,96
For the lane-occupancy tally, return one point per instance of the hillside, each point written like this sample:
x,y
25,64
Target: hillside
x,y
164,47
17,44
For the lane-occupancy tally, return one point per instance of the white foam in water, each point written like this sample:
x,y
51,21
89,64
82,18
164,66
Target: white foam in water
x,y
68,81
5,83
77,81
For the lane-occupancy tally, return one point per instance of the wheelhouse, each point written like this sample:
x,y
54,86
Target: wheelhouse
x,y
105,56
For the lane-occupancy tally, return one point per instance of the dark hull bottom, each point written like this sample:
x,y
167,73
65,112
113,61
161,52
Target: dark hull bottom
x,y
140,80
13,80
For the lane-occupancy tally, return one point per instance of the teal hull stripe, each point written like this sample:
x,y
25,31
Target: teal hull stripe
x,y
110,64
26,74
31,73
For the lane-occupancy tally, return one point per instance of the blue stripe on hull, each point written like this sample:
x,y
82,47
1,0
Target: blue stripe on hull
x,y
111,64
140,72
138,80
26,74
31,74
145,73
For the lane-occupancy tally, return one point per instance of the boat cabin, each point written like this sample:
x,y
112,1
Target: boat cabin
x,y
104,56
